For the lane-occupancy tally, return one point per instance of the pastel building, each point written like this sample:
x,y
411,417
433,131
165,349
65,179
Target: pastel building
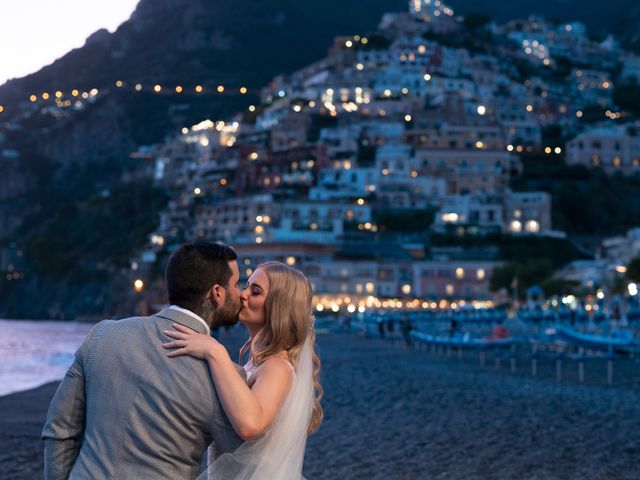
x,y
615,149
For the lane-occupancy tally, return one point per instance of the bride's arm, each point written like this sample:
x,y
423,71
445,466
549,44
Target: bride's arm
x,y
250,410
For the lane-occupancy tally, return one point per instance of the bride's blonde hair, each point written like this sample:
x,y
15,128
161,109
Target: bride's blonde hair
x,y
288,322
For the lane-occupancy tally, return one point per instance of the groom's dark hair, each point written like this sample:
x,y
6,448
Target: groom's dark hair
x,y
193,269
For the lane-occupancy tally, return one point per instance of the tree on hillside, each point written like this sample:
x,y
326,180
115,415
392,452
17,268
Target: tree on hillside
x,y
525,273
633,270
476,20
627,96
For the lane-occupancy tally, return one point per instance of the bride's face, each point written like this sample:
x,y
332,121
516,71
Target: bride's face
x,y
252,300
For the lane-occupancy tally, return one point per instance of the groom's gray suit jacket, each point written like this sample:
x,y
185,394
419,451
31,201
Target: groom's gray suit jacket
x,y
124,410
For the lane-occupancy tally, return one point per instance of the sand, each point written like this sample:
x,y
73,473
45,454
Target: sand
x,y
396,413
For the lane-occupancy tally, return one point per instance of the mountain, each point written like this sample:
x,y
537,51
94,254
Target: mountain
x,y
249,41
222,41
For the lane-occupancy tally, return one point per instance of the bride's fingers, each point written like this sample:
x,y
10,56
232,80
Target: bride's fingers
x,y
177,353
175,344
174,334
182,328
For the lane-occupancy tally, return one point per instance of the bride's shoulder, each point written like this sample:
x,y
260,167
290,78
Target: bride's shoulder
x,y
278,364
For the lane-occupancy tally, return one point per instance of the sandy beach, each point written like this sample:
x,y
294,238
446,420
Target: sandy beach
x,y
395,413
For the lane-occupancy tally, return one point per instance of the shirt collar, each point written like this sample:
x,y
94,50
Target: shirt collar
x,y
191,314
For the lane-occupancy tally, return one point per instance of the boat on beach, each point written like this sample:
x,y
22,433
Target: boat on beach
x,y
622,343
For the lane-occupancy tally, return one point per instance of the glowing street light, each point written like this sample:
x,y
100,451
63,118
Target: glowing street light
x,y
138,285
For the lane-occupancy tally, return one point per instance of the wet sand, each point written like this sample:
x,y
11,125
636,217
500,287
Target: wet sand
x,y
395,413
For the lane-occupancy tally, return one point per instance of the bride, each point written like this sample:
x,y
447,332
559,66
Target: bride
x,y
280,403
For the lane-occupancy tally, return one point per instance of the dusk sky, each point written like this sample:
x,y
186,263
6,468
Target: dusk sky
x,y
34,33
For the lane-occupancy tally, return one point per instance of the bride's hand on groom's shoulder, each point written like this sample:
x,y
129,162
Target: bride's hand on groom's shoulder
x,y
189,342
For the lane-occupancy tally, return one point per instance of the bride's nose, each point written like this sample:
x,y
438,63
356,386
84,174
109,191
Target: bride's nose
x,y
244,294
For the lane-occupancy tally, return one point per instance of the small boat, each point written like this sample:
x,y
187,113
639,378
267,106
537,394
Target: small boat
x,y
620,344
462,341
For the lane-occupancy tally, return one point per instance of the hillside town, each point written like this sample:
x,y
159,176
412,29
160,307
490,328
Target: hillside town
x,y
352,167
347,164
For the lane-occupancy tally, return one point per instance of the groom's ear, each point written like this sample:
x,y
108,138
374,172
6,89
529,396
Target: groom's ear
x,y
216,294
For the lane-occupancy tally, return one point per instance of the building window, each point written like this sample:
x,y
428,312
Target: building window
x,y
459,273
532,226
617,162
450,290
595,160
480,274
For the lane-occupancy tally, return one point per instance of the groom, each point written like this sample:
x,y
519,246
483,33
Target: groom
x,y
124,410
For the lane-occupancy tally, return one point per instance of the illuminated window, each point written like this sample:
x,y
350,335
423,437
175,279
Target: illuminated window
x,y
459,273
480,274
532,226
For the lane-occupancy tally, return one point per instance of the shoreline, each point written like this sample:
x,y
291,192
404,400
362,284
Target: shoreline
x,y
392,412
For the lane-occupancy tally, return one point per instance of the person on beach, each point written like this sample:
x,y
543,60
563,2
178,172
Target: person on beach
x,y
280,404
125,410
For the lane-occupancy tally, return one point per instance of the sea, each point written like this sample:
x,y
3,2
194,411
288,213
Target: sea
x,y
33,353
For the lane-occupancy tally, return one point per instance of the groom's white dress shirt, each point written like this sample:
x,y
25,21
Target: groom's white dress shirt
x,y
191,314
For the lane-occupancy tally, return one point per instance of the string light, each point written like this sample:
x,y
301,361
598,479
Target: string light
x,y
138,87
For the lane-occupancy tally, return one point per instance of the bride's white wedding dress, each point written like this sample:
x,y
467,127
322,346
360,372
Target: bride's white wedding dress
x,y
279,453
